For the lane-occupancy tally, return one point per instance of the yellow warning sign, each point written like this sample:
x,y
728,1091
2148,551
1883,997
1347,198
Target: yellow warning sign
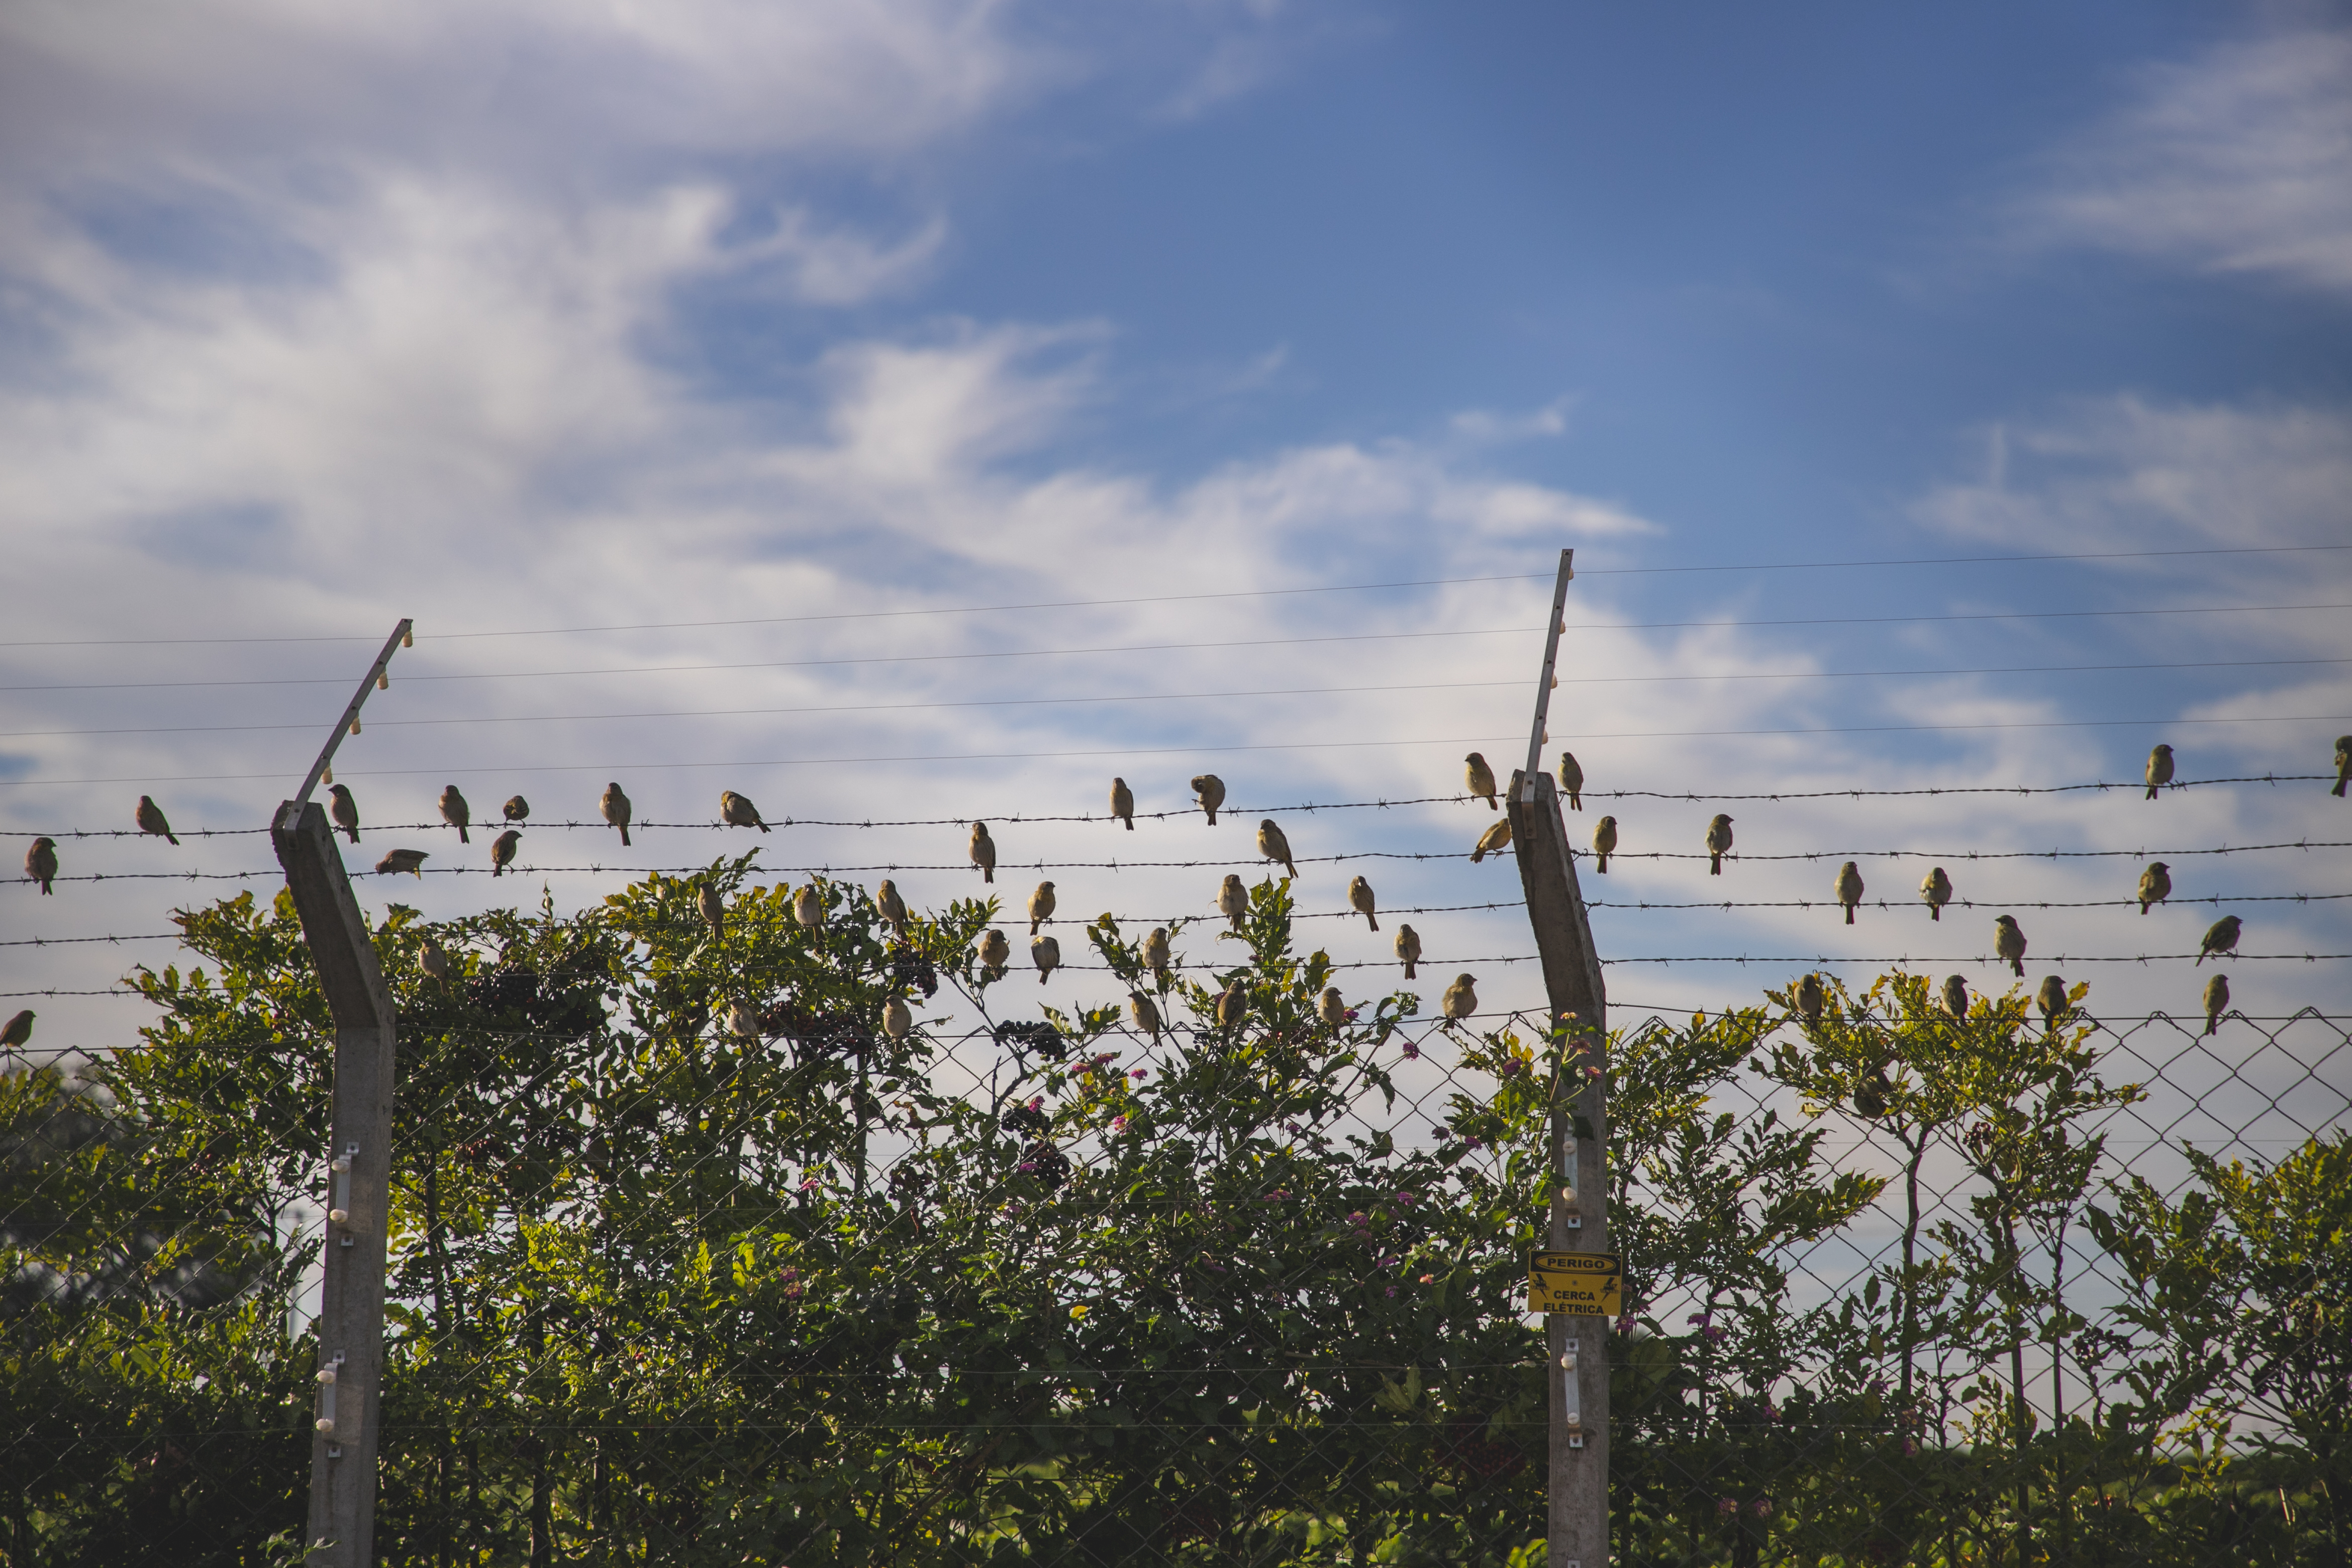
x,y
1584,1284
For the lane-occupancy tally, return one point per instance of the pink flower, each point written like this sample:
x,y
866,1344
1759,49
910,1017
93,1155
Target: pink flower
x,y
1357,1219
1106,1058
1727,1506
1136,1073
1412,1051
1474,1142
1909,1448
1039,1103
1392,1292
1762,1508
1119,1123
808,1183
1407,1199
1427,1278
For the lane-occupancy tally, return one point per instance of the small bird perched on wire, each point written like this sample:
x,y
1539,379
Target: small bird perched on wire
x,y
1937,889
808,907
898,1022
984,851
1045,952
2008,942
1848,888
434,959
2159,770
1460,998
344,810
2217,1001
1155,953
1360,899
1497,836
1811,998
1233,1005
502,852
1481,779
995,952
713,908
1330,1008
409,861
1719,844
737,811
2220,937
892,907
19,1030
2052,998
517,810
1572,778
1275,846
41,863
1604,843
1232,899
1122,803
150,818
1145,1014
615,805
742,1021
1208,790
457,813
1408,949
2343,765
1956,995
1041,906
2155,884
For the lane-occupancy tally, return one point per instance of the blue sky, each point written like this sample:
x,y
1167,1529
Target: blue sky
x,y
523,316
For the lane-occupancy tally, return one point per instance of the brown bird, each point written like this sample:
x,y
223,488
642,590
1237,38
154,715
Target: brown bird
x,y
1330,1008
1848,888
1604,843
1155,953
1122,803
502,852
409,861
713,908
1209,790
744,1022
892,907
1233,1005
984,851
516,808
19,1030
1496,836
808,907
1811,998
1956,995
995,953
615,808
898,1022
1275,846
150,818
1045,952
1461,999
2220,938
1041,906
2343,765
737,811
41,862
1145,1014
2159,770
1233,900
1572,778
457,813
2008,942
1719,844
1360,899
1481,779
2155,884
1937,889
2052,998
344,810
2217,1001
1408,949
434,959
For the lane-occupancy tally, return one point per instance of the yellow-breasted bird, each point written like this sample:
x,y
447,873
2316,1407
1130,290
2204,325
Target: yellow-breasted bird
x,y
615,805
984,851
2220,937
1848,888
41,862
1232,899
1209,790
1330,1008
737,811
2155,884
1275,846
399,860
713,908
1145,1014
1497,836
1719,844
1408,949
808,907
1045,952
1810,999
1041,906
1481,779
995,953
1233,1005
19,1030
1155,953
1604,843
892,907
1937,889
1956,995
2159,770
2343,765
1460,998
1122,803
517,810
344,810
2052,998
1360,899
2217,1001
457,813
1572,778
2009,941
502,852
897,1023
150,818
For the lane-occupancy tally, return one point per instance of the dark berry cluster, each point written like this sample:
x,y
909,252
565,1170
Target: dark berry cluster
x,y
1036,1036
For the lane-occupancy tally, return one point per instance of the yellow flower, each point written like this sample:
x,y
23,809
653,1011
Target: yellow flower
x,y
1080,1311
